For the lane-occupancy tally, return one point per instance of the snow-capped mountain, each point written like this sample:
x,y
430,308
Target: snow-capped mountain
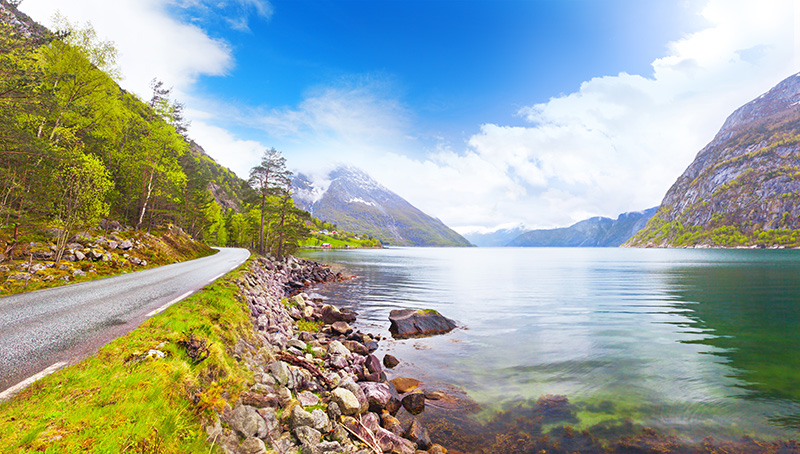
x,y
355,202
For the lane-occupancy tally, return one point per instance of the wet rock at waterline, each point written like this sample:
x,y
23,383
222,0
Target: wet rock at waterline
x,y
418,322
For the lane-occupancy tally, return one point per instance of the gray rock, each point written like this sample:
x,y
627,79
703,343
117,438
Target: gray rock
x,y
378,395
280,370
329,446
351,386
284,443
346,400
252,445
296,343
321,421
245,420
125,245
334,411
79,255
418,322
307,436
307,398
337,348
300,418
338,362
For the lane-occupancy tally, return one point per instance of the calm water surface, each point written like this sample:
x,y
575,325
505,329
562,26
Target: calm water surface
x,y
703,342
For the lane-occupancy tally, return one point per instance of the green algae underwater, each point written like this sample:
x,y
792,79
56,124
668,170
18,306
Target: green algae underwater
x,y
594,350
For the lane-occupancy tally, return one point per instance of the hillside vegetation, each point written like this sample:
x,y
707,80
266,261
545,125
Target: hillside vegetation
x,y
743,188
76,149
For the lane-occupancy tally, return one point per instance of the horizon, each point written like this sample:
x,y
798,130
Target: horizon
x,y
538,113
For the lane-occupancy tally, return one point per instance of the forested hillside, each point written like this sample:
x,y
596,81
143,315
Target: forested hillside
x,y
76,149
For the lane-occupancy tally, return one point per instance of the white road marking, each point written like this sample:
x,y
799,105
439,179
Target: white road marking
x,y
12,391
164,307
217,277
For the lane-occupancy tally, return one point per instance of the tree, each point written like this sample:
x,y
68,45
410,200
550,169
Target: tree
x,y
266,178
82,184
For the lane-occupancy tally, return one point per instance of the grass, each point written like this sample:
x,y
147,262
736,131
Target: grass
x,y
318,239
121,400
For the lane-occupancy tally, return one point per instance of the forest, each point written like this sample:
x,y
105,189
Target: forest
x,y
77,150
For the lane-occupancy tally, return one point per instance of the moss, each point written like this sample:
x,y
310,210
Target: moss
x,y
427,312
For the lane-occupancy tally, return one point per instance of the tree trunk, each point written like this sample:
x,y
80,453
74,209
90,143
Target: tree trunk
x,y
261,233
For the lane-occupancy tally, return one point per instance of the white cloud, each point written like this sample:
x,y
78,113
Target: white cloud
x,y
615,144
619,142
235,154
150,42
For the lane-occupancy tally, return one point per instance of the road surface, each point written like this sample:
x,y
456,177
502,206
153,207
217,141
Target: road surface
x,y
62,325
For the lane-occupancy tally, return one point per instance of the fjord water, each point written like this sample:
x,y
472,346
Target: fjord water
x,y
699,342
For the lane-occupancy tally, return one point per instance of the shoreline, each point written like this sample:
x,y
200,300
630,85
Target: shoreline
x,y
318,387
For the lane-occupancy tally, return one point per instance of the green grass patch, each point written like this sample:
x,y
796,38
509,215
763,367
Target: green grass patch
x,y
339,241
121,400
309,326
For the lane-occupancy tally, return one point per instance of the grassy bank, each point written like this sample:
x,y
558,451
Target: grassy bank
x,y
29,264
127,397
340,240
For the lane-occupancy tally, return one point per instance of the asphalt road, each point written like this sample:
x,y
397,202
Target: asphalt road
x,y
65,324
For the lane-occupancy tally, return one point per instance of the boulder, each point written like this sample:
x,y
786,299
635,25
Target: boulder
x,y
307,436
307,399
419,435
414,403
346,400
245,420
380,397
356,347
252,445
300,418
404,384
418,322
331,314
390,361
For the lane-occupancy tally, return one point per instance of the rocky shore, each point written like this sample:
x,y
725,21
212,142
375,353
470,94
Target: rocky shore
x,y
317,386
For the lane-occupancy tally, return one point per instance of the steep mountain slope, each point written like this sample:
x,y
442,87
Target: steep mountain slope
x,y
592,232
743,188
357,203
228,189
497,238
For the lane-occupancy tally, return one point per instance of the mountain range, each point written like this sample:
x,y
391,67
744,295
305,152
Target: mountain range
x,y
355,202
593,232
743,188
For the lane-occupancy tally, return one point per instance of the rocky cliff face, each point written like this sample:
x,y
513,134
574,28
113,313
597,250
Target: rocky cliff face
x,y
743,188
592,232
359,204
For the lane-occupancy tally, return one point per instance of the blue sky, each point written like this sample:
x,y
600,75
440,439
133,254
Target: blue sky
x,y
481,113
451,64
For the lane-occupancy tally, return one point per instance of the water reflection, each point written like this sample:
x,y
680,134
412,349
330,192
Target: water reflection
x,y
696,341
753,310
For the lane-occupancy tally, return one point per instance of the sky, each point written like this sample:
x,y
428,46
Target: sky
x,y
484,114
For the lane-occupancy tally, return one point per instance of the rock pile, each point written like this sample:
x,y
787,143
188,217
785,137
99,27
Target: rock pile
x,y
316,391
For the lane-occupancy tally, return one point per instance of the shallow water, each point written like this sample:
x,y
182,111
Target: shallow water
x,y
696,342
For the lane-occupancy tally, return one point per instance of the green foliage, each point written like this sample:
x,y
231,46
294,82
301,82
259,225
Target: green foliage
x,y
74,148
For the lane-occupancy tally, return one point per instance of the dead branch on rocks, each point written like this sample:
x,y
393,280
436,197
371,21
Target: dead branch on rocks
x,y
300,362
195,347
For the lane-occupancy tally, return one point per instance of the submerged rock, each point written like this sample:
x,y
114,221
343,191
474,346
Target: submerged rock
x,y
418,322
